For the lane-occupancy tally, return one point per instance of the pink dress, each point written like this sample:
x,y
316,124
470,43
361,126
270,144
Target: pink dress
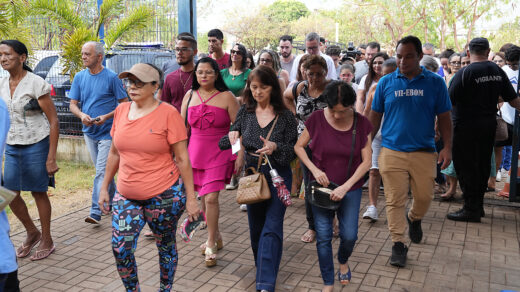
x,y
212,167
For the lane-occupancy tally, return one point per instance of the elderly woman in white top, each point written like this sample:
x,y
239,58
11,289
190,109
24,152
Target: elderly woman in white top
x,y
30,154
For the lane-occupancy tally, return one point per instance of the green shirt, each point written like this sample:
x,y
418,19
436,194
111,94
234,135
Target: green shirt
x,y
238,84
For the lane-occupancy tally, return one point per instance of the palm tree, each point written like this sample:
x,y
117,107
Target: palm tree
x,y
77,30
12,14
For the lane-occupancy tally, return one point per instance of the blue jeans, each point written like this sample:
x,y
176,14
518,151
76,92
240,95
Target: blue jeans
x,y
507,152
348,213
98,150
266,231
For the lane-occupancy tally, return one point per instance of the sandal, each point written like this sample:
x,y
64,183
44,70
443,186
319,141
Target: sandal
x,y
445,197
220,245
26,250
344,279
309,236
42,253
211,255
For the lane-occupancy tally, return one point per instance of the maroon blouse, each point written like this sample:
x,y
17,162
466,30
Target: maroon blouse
x,y
331,148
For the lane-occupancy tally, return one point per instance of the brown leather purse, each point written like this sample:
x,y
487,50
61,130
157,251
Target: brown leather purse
x,y
254,188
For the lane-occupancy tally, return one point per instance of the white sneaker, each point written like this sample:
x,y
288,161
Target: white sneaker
x,y
243,207
371,213
504,173
233,184
499,176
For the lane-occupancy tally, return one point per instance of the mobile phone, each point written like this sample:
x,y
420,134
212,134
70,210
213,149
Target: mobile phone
x,y
97,119
52,181
188,228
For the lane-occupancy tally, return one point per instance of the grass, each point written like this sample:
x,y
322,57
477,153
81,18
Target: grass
x,y
73,191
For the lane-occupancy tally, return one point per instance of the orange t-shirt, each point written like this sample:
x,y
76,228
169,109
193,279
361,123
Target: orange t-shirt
x,y
146,166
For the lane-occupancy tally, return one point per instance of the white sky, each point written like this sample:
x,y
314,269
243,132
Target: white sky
x,y
219,9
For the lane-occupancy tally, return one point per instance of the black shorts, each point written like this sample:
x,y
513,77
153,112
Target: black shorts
x,y
509,140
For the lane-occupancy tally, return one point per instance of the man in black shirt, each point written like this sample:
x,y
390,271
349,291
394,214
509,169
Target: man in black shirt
x,y
474,93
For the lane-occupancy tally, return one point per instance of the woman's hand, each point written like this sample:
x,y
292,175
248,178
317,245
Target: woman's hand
x,y
269,147
321,177
192,207
338,193
51,166
233,136
104,201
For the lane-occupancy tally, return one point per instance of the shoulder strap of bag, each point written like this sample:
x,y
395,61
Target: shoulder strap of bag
x,y
187,106
295,89
260,158
353,143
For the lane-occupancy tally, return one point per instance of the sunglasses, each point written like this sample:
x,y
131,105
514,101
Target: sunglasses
x,y
235,52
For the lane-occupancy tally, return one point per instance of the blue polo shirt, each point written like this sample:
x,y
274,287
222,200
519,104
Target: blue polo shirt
x,y
99,95
410,108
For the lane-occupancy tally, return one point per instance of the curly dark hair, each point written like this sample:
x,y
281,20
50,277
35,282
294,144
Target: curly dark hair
x,y
315,60
371,73
266,76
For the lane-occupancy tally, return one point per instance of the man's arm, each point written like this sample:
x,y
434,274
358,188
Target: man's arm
x,y
85,119
100,120
375,118
445,127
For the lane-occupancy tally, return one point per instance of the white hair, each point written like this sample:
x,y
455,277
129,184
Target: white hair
x,y
98,47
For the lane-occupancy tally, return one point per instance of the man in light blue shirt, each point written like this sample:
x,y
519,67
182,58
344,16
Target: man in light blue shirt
x,y
8,267
411,98
99,90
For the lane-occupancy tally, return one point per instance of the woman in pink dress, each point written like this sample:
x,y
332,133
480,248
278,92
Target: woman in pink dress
x,y
210,109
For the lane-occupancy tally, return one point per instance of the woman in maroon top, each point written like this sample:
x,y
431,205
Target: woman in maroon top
x,y
330,133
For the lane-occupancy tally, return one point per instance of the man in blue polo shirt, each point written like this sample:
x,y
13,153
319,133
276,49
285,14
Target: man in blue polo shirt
x,y
8,266
99,90
411,99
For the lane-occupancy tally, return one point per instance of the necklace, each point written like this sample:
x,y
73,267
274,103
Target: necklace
x,y
209,94
187,80
234,75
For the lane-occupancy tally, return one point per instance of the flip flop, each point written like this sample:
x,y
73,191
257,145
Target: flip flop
x,y
27,249
307,237
43,253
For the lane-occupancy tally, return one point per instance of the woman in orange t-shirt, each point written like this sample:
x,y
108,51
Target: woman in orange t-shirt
x,y
147,134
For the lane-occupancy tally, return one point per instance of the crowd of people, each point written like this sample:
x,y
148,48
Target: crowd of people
x,y
415,122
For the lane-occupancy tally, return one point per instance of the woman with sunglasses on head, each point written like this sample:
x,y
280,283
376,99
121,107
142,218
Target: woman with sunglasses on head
x,y
339,139
235,76
264,110
271,59
375,72
155,181
30,154
210,110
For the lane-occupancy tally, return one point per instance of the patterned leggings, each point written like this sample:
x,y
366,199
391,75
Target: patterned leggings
x,y
128,219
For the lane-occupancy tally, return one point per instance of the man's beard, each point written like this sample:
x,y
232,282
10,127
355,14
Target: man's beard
x,y
185,62
288,55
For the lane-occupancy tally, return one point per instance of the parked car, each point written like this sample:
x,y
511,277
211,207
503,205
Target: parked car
x,y
117,60
44,65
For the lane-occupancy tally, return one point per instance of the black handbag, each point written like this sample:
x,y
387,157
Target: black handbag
x,y
319,195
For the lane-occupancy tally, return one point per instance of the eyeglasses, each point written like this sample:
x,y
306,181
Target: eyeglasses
x,y
201,72
315,74
262,60
235,52
182,50
138,83
455,63
312,48
465,63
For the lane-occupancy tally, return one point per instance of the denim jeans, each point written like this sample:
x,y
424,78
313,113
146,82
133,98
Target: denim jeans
x,y
99,150
266,231
9,282
507,152
348,214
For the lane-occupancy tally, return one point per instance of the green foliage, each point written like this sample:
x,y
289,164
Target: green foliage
x,y
286,11
76,31
72,44
12,13
202,42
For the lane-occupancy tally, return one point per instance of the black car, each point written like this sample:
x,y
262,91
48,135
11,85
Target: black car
x,y
117,61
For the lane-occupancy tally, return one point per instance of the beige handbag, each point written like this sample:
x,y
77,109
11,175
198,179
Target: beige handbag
x,y
254,188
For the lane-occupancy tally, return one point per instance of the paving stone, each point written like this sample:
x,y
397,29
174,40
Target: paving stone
x,y
454,256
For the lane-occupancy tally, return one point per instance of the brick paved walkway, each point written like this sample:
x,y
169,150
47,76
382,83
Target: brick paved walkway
x,y
453,256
